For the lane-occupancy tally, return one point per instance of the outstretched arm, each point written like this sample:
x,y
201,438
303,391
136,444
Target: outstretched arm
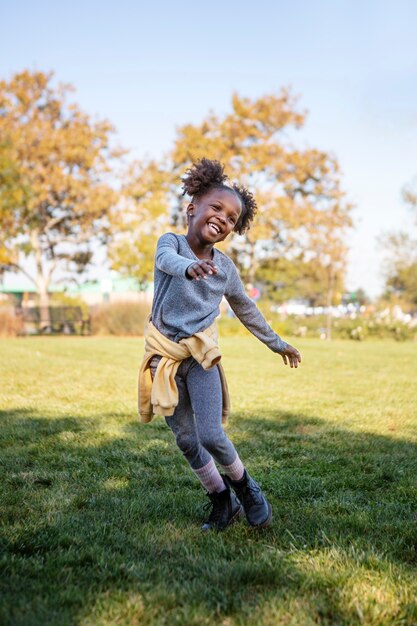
x,y
248,313
167,258
169,261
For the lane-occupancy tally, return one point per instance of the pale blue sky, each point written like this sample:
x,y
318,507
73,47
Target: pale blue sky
x,y
149,67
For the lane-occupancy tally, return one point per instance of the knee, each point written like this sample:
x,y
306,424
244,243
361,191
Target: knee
x,y
187,443
213,441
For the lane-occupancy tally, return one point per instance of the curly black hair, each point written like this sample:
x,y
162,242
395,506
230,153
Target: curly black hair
x,y
205,175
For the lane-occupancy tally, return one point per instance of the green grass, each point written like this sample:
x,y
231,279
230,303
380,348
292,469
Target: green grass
x,y
100,515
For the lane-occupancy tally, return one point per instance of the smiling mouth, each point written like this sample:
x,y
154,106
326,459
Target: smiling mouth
x,y
214,228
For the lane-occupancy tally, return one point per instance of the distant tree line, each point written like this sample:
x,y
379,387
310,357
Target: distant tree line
x,y
64,189
400,248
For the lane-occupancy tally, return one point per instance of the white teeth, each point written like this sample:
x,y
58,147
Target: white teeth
x,y
215,228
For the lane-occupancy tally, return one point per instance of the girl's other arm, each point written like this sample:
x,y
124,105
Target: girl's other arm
x,y
248,313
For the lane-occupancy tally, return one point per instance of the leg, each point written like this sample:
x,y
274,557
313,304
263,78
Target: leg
x,y
225,507
205,394
182,424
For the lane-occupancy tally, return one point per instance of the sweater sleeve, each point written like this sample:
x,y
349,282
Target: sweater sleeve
x,y
167,258
248,313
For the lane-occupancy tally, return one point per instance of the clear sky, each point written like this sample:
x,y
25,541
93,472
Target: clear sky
x,y
151,66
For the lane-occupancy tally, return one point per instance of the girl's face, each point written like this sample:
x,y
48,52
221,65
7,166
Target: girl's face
x,y
213,216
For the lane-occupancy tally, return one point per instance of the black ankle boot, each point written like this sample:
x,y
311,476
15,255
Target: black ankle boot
x,y
257,508
226,509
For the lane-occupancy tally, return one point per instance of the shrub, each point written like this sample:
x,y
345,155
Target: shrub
x,y
119,318
63,299
377,328
288,326
402,332
11,325
356,328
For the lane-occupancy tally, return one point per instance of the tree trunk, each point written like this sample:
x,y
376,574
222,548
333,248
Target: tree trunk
x,y
42,283
329,300
45,325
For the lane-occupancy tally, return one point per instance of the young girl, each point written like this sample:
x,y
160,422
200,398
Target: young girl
x,y
181,377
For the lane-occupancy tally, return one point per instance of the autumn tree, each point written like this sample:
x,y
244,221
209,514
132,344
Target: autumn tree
x,y
142,215
303,216
400,265
55,199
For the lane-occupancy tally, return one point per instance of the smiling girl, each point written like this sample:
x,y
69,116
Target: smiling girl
x,y
181,376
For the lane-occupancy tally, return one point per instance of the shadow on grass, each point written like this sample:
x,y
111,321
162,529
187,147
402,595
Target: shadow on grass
x,y
100,523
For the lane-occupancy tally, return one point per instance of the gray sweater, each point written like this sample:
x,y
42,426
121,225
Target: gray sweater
x,y
182,306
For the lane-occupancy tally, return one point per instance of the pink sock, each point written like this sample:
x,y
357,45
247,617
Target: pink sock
x,y
235,470
210,477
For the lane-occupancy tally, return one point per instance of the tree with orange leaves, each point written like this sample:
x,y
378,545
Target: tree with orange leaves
x,y
54,163
303,216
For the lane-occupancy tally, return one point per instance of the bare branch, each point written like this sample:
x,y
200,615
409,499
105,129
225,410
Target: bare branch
x,y
54,222
19,268
51,270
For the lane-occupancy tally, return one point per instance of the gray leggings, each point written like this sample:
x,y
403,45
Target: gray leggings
x,y
197,421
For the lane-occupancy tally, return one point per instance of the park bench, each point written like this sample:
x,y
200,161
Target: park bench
x,y
67,320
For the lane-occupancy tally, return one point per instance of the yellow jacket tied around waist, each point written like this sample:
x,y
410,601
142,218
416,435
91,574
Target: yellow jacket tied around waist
x,y
160,396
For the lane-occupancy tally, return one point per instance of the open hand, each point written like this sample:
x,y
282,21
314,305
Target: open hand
x,y
201,269
291,355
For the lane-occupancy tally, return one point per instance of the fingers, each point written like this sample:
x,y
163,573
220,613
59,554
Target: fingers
x,y
293,356
202,269
291,360
212,265
191,271
294,361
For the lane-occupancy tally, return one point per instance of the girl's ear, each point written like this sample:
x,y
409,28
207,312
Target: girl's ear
x,y
190,210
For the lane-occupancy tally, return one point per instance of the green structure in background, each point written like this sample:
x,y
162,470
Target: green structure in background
x,y
70,305
93,292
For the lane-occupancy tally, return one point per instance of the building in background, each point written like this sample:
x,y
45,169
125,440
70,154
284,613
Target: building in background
x,y
23,294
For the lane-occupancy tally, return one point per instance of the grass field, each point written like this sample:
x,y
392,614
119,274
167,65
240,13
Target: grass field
x,y
100,515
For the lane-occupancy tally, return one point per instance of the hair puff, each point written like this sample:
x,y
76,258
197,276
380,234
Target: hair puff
x,y
201,176
249,208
